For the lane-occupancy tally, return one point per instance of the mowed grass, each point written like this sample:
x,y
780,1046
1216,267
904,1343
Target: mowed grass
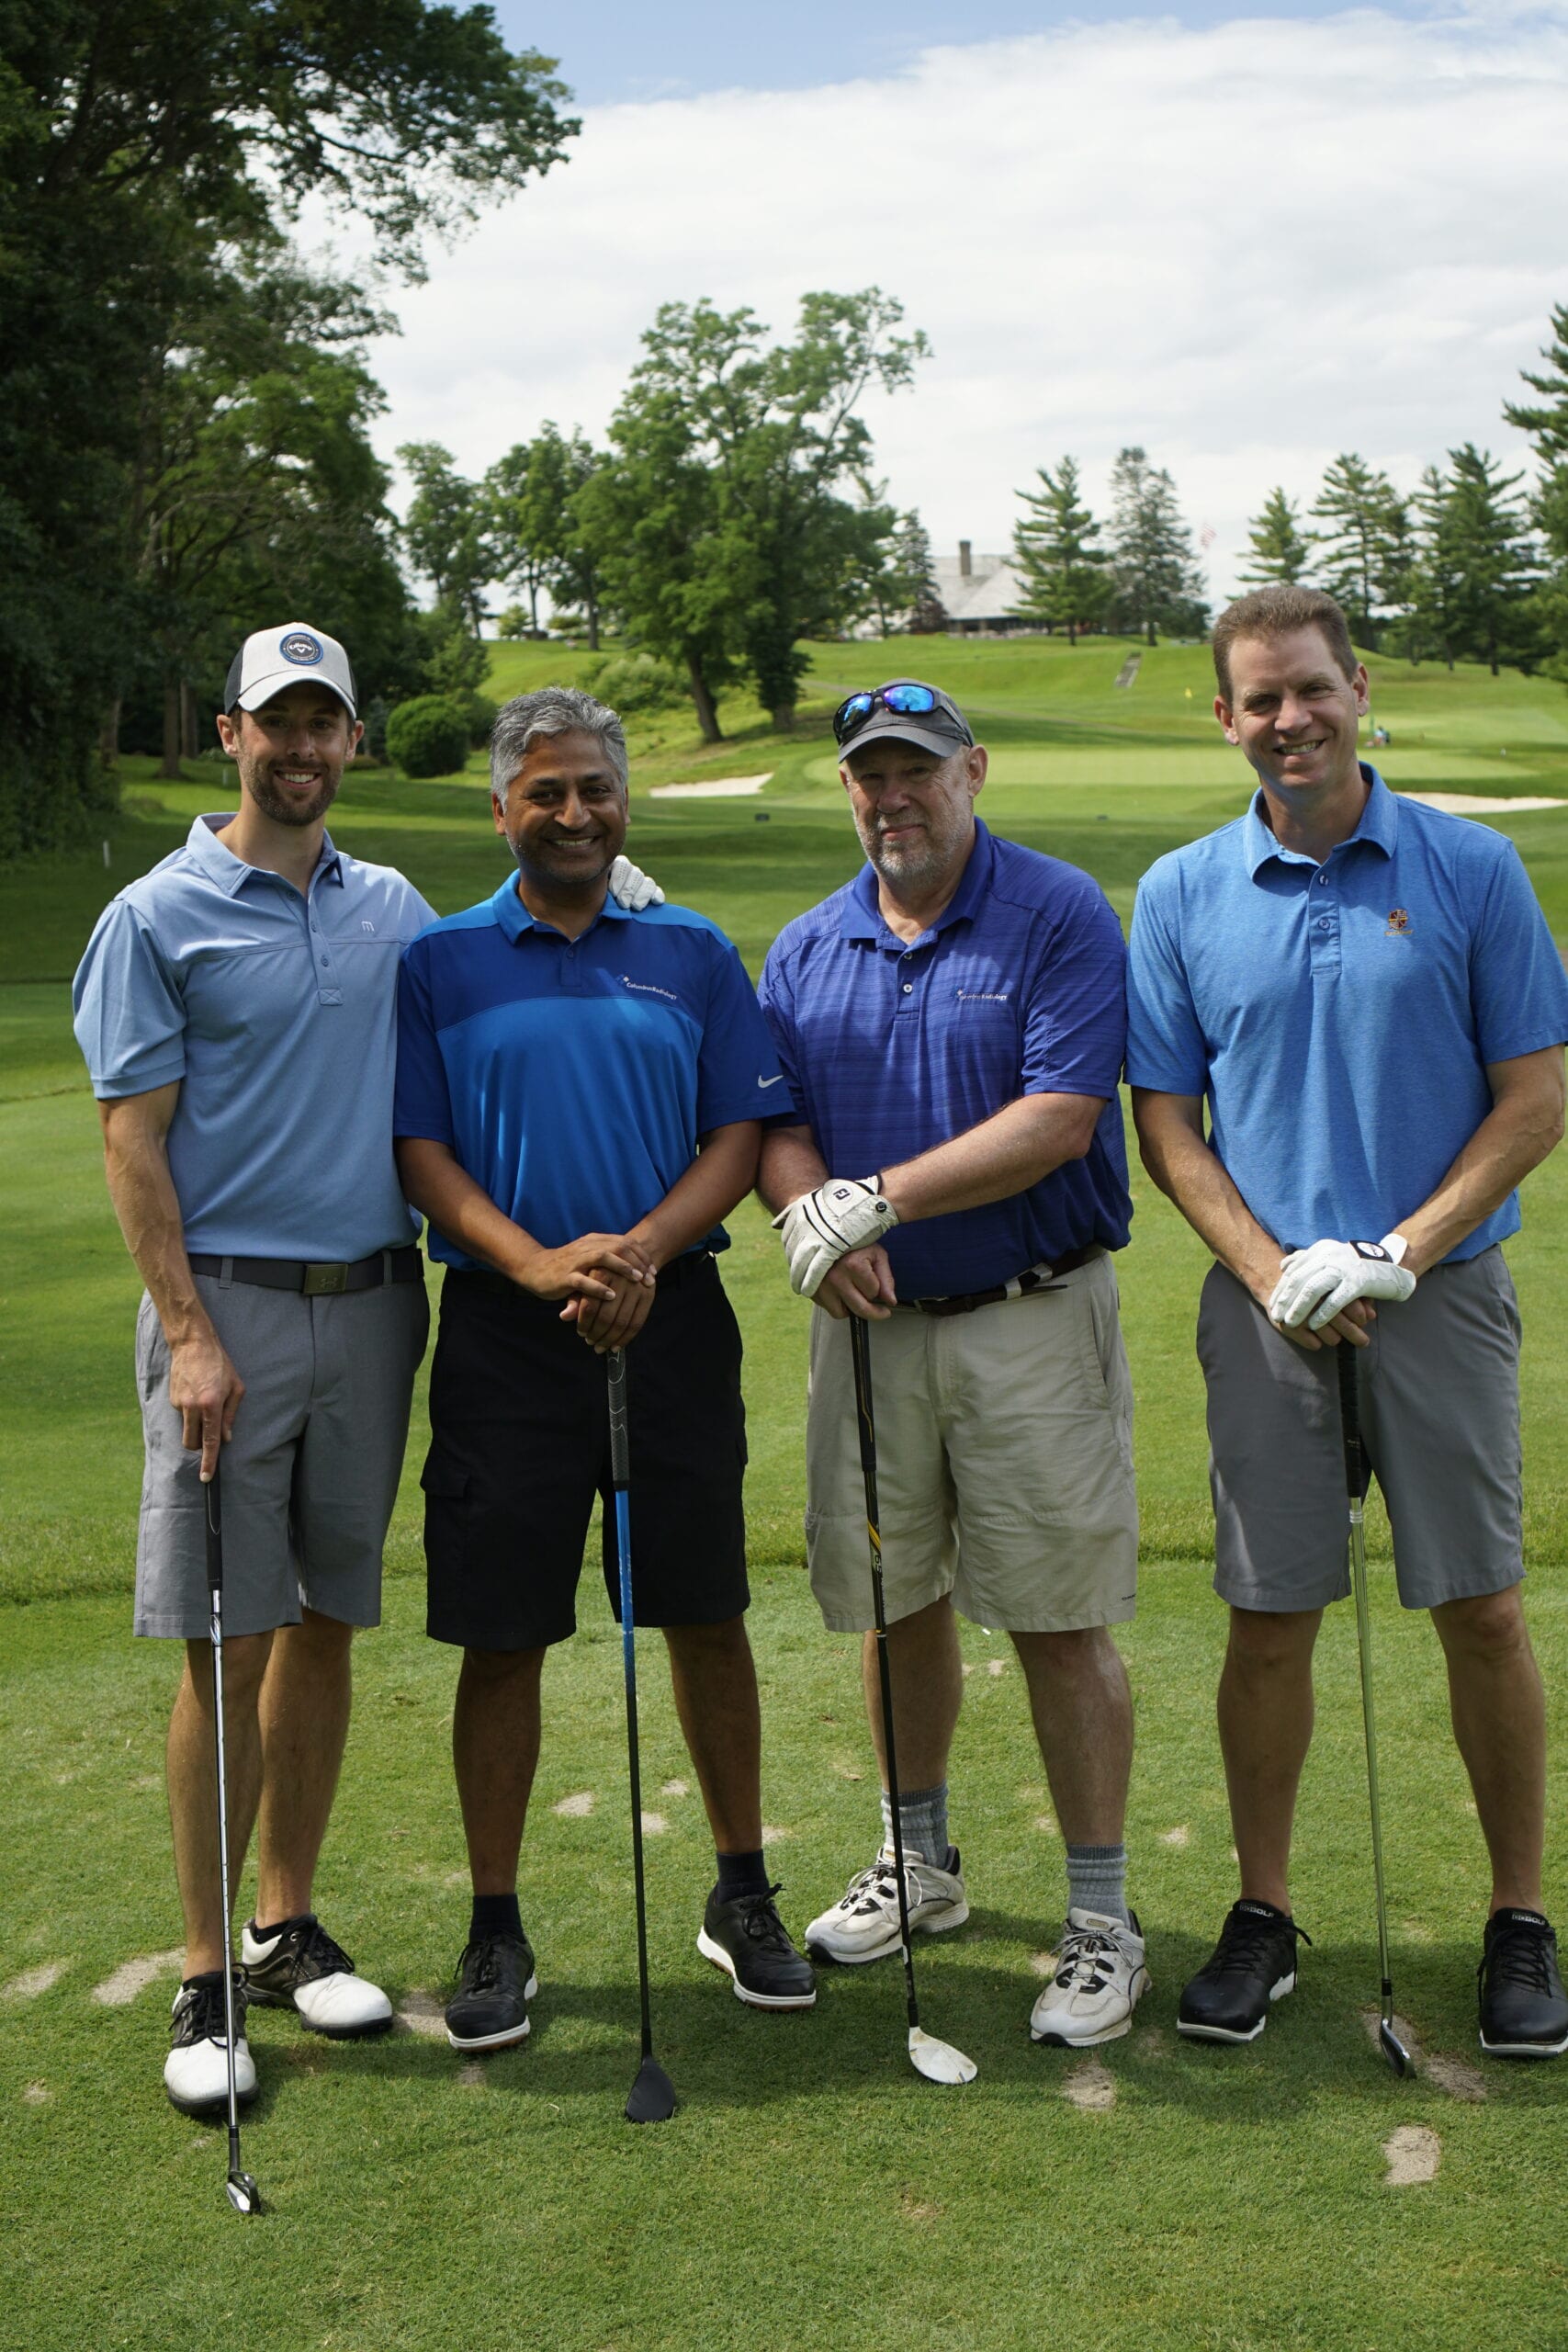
x,y
810,2184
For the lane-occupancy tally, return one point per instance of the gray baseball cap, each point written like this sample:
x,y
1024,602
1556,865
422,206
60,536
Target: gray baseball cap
x,y
295,655
935,724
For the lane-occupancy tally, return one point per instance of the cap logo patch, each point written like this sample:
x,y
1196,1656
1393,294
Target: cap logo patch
x,y
300,646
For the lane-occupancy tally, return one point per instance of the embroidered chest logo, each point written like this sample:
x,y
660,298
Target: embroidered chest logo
x,y
983,996
370,927
1398,923
646,987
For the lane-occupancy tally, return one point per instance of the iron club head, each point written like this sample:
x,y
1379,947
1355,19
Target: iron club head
x,y
938,2061
652,2096
243,2194
1394,2050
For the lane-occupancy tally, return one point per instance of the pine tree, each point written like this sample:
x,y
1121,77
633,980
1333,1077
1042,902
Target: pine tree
x,y
1065,574
1281,550
1361,545
1546,421
1489,537
1158,583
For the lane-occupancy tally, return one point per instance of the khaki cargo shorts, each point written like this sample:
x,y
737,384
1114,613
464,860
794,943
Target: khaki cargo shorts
x,y
1004,1451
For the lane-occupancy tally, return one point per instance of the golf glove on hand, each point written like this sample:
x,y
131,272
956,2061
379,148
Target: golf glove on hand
x,y
843,1213
632,889
1316,1284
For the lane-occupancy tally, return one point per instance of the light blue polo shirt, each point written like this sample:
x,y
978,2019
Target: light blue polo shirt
x,y
278,1015
1340,1017
891,1046
572,1079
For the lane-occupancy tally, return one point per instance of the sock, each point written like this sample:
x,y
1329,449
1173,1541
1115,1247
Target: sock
x,y
495,1914
266,1935
741,1874
922,1822
1097,1881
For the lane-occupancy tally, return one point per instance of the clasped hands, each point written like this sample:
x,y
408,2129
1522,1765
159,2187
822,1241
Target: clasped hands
x,y
1316,1286
608,1282
847,1216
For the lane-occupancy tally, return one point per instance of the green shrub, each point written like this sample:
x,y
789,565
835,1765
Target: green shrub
x,y
480,713
428,736
635,681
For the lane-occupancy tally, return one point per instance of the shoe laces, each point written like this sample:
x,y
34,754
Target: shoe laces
x,y
203,2018
1519,1954
876,1887
1245,1940
1091,1953
485,1953
319,1954
759,1921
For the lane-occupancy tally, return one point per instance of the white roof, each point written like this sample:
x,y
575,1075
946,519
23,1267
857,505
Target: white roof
x,y
993,590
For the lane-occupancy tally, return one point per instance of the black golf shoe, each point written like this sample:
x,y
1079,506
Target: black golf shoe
x,y
495,1983
1524,2010
1253,1964
299,1966
747,1938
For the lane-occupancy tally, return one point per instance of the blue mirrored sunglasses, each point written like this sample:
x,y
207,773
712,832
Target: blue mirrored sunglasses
x,y
908,701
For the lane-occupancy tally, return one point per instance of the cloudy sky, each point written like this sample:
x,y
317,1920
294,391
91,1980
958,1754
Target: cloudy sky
x,y
1248,242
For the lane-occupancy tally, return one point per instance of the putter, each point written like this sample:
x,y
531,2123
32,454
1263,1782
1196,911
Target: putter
x,y
243,2194
652,2096
939,2061
1394,2050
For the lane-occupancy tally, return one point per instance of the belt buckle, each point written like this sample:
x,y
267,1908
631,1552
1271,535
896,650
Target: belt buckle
x,y
325,1281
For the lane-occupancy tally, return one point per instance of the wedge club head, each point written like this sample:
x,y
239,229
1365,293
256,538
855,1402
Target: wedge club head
x,y
1394,2050
652,2097
938,2061
243,2194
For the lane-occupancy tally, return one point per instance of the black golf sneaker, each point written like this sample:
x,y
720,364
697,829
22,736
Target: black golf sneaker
x,y
495,1983
1524,2010
1253,1964
746,1938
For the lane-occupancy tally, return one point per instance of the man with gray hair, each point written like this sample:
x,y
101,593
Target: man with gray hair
x,y
579,1099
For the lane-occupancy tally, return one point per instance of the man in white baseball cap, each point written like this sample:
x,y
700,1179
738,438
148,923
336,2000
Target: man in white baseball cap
x,y
273,660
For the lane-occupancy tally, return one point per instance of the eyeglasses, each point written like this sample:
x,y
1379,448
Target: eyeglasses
x,y
906,701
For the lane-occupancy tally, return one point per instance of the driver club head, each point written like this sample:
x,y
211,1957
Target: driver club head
x,y
1394,2050
243,2192
652,2096
938,2061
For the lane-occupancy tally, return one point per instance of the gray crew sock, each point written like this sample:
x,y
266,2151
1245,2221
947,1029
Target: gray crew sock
x,y
1097,1880
922,1822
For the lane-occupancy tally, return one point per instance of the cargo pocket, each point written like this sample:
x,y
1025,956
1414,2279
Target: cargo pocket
x,y
446,1486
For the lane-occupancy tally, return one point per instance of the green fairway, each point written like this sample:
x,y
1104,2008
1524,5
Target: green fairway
x,y
1160,2196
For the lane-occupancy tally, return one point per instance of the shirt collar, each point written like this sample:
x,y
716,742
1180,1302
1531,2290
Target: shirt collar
x,y
1379,825
863,917
514,918
218,862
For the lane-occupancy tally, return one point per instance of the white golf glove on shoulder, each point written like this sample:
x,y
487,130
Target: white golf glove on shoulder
x,y
632,889
1316,1284
843,1213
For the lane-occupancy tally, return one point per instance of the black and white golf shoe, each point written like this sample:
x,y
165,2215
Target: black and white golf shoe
x,y
1253,1964
747,1938
195,2072
299,1967
495,1983
1524,2010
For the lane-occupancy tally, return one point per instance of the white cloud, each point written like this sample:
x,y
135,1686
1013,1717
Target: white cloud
x,y
1248,247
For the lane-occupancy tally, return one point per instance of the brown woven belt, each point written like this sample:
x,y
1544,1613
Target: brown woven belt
x,y
1022,1286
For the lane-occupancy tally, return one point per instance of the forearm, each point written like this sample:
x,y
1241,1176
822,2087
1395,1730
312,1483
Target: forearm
x,y
136,1164
1516,1135
721,1174
1190,1174
1003,1156
790,1165
443,1192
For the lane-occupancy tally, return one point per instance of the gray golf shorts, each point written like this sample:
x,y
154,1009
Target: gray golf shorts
x,y
311,1473
1439,1395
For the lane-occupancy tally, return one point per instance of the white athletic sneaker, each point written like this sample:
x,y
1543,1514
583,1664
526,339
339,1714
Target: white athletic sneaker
x,y
1100,1980
301,1968
864,1923
195,2072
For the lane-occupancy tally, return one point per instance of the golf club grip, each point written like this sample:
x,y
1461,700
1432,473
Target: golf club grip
x,y
212,1503
1350,1420
860,1350
620,1451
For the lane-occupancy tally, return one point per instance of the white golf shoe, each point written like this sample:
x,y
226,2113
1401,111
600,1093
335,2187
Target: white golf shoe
x,y
195,2072
300,1968
863,1922
1100,1978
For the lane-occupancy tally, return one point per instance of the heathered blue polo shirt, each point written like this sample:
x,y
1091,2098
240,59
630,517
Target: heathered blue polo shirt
x,y
1340,1018
889,1048
277,1013
573,1078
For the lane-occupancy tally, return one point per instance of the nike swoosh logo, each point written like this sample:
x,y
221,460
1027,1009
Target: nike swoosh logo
x,y
771,1082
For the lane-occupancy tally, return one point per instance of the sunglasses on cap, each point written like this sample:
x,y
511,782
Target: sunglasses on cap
x,y
904,700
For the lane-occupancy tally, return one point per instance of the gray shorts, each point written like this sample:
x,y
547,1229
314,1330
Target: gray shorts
x,y
311,1473
1440,1423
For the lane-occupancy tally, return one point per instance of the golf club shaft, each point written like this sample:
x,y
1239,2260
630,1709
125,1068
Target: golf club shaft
x,y
620,1477
859,1346
1355,1487
213,1498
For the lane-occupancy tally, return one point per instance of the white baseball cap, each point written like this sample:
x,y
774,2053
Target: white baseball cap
x,y
295,655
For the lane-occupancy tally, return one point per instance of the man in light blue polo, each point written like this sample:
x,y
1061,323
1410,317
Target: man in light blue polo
x,y
1365,994
953,1020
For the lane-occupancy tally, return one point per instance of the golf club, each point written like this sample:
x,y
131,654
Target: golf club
x,y
652,2096
937,2060
243,2194
1394,2050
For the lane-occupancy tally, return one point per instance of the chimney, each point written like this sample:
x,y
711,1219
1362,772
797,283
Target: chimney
x,y
965,561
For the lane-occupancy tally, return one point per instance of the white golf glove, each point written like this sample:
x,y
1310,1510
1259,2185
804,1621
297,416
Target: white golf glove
x,y
1316,1284
632,889
841,1215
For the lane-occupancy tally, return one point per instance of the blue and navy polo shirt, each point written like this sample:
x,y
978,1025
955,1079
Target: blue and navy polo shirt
x,y
571,1078
1340,1018
890,1047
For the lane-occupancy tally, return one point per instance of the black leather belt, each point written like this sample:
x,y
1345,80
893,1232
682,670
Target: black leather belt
x,y
1034,1278
317,1281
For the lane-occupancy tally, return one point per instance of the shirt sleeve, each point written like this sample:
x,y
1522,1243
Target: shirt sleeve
x,y
1074,1022
421,1103
1167,1051
130,1015
1517,986
776,995
737,1071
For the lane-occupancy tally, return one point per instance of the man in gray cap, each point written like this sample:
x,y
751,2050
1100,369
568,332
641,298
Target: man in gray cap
x,y
237,1010
954,1022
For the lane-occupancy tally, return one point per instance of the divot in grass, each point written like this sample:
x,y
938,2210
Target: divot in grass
x,y
1180,1835
1455,2075
1414,2153
915,2208
1044,1963
996,1666
675,1789
36,2094
654,1825
1089,2086
421,2014
848,1772
573,1808
34,1981
772,1835
1046,1826
133,1976
472,2076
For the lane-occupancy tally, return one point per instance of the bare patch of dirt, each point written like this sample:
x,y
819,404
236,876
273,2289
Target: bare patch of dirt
x,y
1414,2153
